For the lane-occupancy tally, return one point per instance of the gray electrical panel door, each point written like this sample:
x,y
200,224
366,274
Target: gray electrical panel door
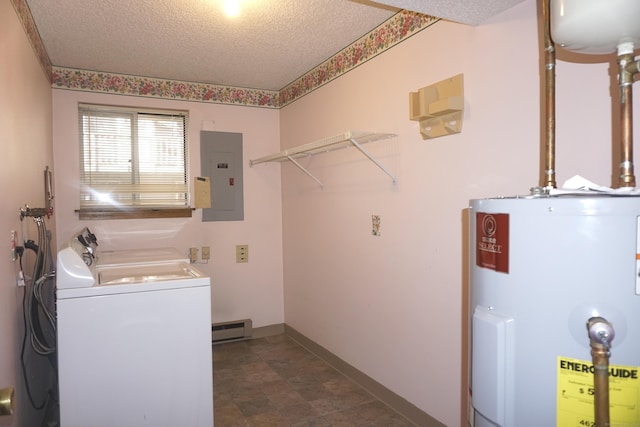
x,y
221,161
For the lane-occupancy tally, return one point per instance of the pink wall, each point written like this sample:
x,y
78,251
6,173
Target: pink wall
x,y
394,306
25,132
252,290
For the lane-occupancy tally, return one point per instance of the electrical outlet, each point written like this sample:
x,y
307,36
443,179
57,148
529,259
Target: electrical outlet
x,y
14,240
206,253
193,255
375,224
242,253
20,279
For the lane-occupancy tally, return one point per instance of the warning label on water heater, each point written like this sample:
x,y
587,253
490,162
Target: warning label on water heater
x,y
576,394
492,241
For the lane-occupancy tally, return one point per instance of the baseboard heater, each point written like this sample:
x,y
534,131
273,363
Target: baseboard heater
x,y
228,331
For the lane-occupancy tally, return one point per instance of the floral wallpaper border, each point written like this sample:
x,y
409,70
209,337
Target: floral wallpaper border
x,y
121,84
396,29
399,27
24,14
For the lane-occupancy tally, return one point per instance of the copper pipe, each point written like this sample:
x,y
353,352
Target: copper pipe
x,y
600,360
550,100
626,68
601,334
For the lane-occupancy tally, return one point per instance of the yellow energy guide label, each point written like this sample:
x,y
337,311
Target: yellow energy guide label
x,y
575,394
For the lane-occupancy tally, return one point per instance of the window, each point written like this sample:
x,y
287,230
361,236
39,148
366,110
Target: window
x,y
133,163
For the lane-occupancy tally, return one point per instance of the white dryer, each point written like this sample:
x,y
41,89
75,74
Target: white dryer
x,y
134,343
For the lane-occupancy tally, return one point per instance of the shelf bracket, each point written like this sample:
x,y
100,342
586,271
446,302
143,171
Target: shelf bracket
x,y
347,139
373,159
303,169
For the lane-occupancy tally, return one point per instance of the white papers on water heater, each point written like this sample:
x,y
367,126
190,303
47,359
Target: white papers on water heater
x,y
581,186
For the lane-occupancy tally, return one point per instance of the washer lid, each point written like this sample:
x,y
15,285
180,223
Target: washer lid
x,y
126,257
140,278
145,273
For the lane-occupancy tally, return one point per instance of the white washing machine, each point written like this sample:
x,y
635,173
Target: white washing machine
x,y
134,343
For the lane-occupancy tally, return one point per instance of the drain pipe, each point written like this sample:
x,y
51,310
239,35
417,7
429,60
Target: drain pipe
x,y
627,68
601,334
550,99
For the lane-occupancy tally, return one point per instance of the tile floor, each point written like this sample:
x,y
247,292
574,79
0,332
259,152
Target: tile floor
x,y
273,381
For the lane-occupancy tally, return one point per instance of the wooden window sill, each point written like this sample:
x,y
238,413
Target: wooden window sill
x,y
134,213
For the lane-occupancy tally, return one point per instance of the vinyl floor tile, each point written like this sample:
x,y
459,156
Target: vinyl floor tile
x,y
274,382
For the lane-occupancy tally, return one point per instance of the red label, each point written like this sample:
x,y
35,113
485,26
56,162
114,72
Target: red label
x,y
492,241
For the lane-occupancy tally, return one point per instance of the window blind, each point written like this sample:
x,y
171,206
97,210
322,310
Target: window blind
x,y
131,158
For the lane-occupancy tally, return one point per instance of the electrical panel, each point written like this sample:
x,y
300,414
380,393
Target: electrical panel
x,y
221,161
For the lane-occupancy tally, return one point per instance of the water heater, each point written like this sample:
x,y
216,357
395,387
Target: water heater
x,y
540,268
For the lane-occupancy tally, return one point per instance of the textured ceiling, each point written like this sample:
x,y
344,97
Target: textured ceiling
x,y
472,12
269,45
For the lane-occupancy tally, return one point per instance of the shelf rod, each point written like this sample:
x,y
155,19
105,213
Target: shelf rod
x,y
302,168
366,153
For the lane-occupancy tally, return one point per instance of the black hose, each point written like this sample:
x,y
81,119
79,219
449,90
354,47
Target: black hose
x,y
38,272
25,309
33,305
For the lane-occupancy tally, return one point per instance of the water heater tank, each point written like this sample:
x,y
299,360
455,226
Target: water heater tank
x,y
540,268
595,26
